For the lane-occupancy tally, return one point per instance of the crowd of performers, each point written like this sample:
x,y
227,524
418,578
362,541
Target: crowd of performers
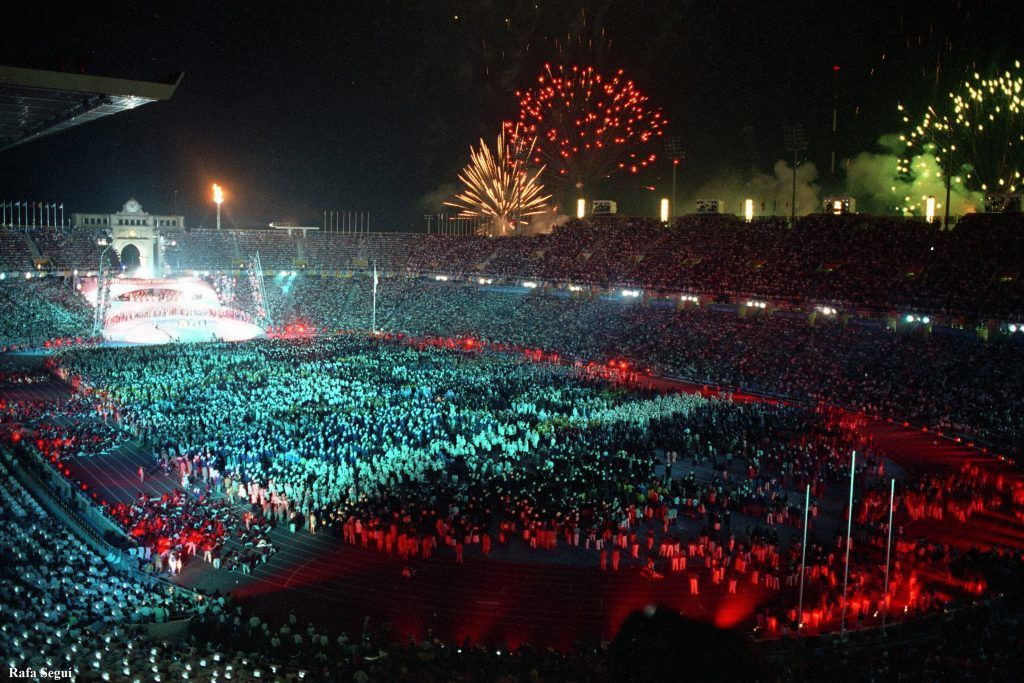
x,y
415,452
947,380
183,311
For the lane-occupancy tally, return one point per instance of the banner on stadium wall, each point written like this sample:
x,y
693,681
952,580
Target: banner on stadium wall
x,y
710,206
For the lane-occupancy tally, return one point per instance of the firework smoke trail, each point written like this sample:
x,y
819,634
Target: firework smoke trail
x,y
499,187
587,124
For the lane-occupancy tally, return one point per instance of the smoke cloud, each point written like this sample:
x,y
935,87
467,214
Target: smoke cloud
x,y
872,179
771,192
433,201
543,223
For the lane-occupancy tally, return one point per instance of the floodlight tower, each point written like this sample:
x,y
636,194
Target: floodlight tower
x,y
218,198
793,137
102,284
674,151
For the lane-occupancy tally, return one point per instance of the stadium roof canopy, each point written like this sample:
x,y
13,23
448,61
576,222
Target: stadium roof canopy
x,y
36,103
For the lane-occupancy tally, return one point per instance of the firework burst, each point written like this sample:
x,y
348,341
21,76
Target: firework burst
x,y
587,124
977,138
499,187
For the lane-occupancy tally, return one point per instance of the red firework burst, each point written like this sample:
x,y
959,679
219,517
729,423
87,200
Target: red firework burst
x,y
587,124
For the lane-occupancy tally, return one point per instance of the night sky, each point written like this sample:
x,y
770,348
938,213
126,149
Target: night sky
x,y
297,107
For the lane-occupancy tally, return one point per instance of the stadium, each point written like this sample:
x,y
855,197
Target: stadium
x,y
510,443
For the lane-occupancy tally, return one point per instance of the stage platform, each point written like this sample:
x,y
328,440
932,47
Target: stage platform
x,y
182,329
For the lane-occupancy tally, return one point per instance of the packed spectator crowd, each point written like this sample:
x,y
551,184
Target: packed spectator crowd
x,y
847,261
413,452
947,380
35,311
955,383
63,602
851,261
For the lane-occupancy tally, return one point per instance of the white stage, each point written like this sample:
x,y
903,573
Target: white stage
x,y
184,329
164,310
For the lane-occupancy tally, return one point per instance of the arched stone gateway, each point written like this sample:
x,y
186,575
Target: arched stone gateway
x,y
130,258
134,226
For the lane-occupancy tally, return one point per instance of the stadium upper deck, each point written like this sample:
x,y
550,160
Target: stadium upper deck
x,y
884,264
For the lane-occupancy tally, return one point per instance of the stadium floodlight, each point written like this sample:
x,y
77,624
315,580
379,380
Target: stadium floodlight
x,y
748,209
218,199
581,208
793,137
664,210
926,320
909,318
1013,328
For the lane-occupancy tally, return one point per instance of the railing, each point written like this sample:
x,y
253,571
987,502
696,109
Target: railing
x,y
37,487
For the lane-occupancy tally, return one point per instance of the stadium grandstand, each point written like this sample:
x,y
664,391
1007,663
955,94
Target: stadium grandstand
x,y
804,340
625,448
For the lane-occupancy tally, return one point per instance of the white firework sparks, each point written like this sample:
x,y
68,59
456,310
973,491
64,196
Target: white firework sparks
x,y
499,187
